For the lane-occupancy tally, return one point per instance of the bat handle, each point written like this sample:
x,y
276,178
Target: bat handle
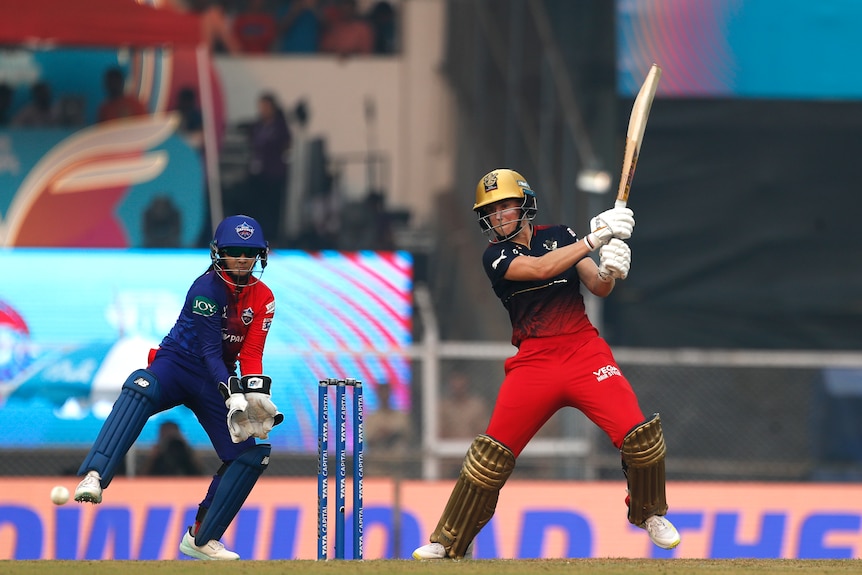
x,y
620,204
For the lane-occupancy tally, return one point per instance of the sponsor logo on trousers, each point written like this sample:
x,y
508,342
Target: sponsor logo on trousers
x,y
606,372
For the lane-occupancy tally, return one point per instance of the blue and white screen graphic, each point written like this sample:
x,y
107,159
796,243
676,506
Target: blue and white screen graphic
x,y
75,323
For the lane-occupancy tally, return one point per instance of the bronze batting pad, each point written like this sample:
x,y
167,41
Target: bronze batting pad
x,y
643,453
471,505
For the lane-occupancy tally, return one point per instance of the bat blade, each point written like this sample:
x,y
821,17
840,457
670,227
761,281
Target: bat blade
x,y
635,133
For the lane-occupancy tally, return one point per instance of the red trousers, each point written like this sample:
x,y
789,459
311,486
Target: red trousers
x,y
550,373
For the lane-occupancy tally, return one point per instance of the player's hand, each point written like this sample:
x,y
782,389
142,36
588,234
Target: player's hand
x,y
263,415
612,223
238,423
616,259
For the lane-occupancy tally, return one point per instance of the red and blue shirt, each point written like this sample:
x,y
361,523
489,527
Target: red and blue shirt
x,y
220,325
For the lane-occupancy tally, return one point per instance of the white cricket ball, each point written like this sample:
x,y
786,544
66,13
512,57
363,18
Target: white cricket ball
x,y
59,495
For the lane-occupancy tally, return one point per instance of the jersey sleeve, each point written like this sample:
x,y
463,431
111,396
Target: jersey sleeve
x,y
251,354
206,312
567,235
497,259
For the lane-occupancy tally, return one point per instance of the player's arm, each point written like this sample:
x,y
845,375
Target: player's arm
x,y
600,285
263,414
615,262
251,354
551,264
613,223
207,325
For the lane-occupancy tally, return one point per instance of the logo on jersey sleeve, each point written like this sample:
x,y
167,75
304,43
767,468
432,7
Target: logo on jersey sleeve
x,y
204,306
267,322
497,261
270,308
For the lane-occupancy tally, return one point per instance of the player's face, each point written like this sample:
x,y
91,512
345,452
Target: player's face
x,y
504,215
239,261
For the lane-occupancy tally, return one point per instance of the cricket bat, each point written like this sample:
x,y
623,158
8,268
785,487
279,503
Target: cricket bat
x,y
635,133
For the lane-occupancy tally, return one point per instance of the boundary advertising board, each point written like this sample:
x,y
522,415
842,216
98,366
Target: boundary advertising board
x,y
533,520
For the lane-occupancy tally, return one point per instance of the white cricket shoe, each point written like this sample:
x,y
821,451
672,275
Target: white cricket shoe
x,y
430,551
89,490
661,531
212,550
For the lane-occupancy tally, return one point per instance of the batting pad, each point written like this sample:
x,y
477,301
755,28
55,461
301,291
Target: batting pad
x,y
471,505
643,452
233,489
138,398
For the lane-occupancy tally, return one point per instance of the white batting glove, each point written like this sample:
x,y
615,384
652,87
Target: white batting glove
x,y
263,415
612,223
616,259
238,424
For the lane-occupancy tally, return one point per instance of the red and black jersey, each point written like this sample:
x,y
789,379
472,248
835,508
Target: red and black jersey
x,y
539,308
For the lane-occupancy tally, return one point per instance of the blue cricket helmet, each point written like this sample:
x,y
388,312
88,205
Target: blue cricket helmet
x,y
239,230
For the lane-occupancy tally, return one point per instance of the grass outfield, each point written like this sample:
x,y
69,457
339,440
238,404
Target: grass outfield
x,y
481,567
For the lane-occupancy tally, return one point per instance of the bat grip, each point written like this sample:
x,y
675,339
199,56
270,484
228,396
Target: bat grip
x,y
620,204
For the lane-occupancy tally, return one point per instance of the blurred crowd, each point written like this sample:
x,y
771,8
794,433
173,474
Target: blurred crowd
x,y
44,109
342,27
263,191
242,27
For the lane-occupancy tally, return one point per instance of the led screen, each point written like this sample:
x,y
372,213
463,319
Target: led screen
x,y
794,49
75,323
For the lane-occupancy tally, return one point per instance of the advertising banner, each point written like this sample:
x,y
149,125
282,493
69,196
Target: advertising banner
x,y
533,520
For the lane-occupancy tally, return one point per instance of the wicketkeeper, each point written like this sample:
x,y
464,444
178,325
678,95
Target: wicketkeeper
x,y
226,317
537,272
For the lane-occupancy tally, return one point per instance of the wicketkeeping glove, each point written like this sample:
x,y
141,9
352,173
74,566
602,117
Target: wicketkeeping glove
x,y
612,223
263,415
238,423
616,259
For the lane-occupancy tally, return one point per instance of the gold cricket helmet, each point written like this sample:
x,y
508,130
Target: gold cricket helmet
x,y
503,184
